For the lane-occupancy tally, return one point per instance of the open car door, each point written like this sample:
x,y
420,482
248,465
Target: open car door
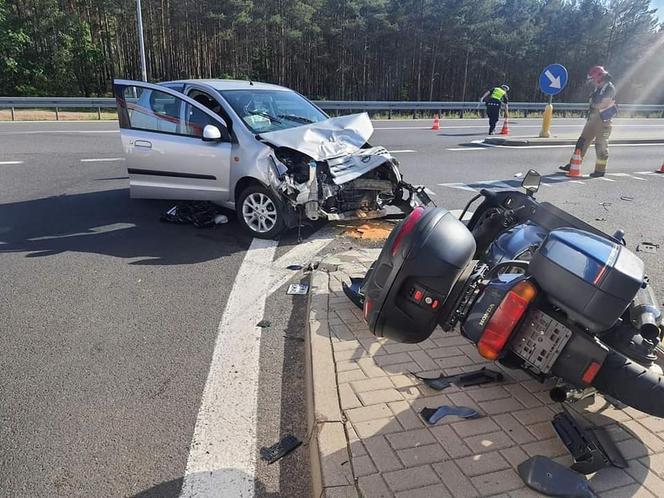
x,y
175,148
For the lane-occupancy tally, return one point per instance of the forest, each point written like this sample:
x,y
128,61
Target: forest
x,y
449,50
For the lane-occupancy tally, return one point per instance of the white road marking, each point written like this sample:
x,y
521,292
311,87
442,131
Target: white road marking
x,y
556,146
468,148
222,457
401,151
103,160
639,178
457,213
645,173
606,179
577,181
460,186
619,174
6,163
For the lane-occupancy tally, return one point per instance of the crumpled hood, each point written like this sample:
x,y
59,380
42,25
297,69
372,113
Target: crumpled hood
x,y
327,139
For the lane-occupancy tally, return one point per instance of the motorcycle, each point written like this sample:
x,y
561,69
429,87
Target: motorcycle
x,y
533,287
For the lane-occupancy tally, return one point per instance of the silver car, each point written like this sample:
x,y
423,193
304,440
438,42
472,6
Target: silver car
x,y
260,149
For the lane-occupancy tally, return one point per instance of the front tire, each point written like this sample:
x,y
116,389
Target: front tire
x,y
631,383
261,212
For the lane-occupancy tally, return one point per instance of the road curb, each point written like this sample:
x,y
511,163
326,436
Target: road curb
x,y
525,142
331,471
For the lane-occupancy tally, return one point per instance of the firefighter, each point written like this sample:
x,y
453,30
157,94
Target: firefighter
x,y
493,99
598,124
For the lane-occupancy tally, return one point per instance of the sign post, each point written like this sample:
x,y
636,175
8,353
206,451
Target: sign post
x,y
552,81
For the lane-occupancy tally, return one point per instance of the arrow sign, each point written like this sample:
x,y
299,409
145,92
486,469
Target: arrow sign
x,y
553,79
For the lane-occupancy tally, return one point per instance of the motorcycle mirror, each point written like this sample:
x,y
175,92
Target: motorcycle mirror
x,y
531,182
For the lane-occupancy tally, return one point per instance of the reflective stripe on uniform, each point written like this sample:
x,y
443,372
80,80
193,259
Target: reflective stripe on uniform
x,y
498,93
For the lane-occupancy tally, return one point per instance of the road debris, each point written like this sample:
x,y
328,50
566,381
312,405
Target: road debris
x,y
297,289
376,230
600,219
553,479
648,247
264,324
353,291
606,205
201,214
627,198
475,378
294,267
433,415
518,175
280,449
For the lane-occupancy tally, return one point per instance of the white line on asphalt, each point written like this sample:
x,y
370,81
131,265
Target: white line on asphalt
x,y
460,186
103,160
577,181
639,178
401,151
222,456
606,179
468,148
624,175
5,163
457,213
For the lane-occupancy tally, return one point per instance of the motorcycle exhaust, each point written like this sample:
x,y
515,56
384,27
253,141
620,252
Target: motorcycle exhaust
x,y
645,314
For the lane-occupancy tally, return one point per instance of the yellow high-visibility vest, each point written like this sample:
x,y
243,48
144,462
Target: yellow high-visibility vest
x,y
498,93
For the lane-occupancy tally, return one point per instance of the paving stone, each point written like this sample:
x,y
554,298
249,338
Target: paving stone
x,y
455,361
345,366
444,352
514,429
347,397
392,359
617,433
497,482
550,448
350,354
643,476
633,491
401,368
632,448
410,392
462,399
435,491
414,477
340,492
450,340
458,484
345,346
524,397
655,463
373,345
651,440
451,443
401,380
372,384
482,464
489,442
421,455
342,332
373,487
473,427
609,478
654,424
535,386
489,393
407,418
363,466
514,455
380,396
431,402
381,453
543,430
368,413
423,360
397,347
534,415
350,376
377,427
498,406
410,439
524,493
370,368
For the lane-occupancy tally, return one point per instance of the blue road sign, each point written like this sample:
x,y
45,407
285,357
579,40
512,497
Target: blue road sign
x,y
553,79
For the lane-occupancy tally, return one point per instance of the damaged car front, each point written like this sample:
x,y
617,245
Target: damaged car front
x,y
328,169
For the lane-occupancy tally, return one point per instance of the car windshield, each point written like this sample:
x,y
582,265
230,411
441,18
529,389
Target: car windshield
x,y
270,110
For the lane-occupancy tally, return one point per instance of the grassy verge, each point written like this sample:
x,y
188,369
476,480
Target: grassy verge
x,y
49,115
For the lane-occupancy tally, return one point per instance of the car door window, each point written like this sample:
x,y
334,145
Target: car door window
x,y
152,110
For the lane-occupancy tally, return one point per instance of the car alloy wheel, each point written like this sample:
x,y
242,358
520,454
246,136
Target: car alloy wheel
x,y
259,212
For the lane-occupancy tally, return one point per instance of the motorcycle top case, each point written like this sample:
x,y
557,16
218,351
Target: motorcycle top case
x,y
591,278
421,261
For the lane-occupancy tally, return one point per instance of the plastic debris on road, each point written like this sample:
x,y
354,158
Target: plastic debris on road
x,y
201,214
433,415
648,247
280,449
475,378
294,267
553,479
264,324
297,289
375,230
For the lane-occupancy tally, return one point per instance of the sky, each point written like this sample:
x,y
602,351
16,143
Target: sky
x,y
659,5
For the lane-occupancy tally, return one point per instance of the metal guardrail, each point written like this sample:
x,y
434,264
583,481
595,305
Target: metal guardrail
x,y
59,103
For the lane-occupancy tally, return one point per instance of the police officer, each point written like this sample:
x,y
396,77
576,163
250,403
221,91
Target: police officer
x,y
493,99
598,124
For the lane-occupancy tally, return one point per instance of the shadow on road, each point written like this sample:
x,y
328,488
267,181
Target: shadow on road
x,y
110,223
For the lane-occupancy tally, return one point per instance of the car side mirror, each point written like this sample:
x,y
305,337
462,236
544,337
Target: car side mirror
x,y
211,134
531,182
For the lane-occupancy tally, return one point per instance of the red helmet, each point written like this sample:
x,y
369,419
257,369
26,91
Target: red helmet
x,y
597,73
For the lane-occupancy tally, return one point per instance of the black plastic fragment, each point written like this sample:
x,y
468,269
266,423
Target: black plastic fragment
x,y
294,267
264,324
433,415
353,291
475,378
648,247
550,478
201,214
591,448
280,449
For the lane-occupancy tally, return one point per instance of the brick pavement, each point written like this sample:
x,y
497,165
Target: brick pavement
x,y
392,452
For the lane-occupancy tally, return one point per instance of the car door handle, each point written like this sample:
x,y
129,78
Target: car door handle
x,y
143,143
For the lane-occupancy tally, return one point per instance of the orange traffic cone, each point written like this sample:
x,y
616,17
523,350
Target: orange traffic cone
x,y
436,122
575,164
506,128
661,169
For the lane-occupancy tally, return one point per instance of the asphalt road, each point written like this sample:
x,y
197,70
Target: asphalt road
x,y
110,318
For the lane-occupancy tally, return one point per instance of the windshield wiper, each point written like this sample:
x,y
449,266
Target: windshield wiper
x,y
266,115
293,117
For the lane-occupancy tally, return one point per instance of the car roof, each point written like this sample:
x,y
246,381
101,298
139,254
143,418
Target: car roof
x,y
221,85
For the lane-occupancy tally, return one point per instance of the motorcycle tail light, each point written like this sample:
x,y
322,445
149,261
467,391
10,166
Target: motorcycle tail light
x,y
407,227
504,319
368,305
591,372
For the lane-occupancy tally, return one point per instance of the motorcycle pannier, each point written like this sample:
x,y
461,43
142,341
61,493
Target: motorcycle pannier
x,y
589,277
407,286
